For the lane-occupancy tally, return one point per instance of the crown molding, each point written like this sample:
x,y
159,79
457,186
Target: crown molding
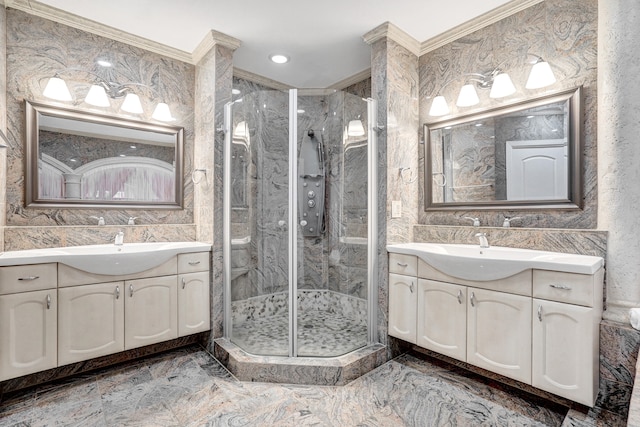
x,y
261,80
356,78
476,24
36,8
394,33
211,39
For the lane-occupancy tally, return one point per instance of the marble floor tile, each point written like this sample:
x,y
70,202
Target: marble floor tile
x,y
187,387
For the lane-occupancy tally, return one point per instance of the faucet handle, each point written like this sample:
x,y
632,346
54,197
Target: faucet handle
x,y
132,220
476,221
507,221
100,220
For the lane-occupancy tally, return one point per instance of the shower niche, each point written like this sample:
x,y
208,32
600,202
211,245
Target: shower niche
x,y
296,283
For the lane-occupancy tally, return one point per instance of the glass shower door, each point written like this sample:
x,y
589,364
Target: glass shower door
x,y
258,158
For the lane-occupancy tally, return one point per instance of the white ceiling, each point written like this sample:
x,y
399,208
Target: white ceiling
x,y
323,38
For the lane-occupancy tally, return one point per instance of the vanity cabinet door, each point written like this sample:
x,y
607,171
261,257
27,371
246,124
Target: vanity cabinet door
x,y
499,333
193,303
402,307
91,321
442,318
28,333
566,350
150,310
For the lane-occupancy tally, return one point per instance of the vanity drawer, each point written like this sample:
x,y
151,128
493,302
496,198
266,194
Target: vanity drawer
x,y
26,278
569,288
192,262
403,264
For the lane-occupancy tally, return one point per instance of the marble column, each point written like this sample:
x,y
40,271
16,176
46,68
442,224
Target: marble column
x,y
394,84
619,151
214,80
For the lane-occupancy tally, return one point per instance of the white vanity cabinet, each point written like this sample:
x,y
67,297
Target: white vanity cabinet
x,y
540,327
499,333
151,311
28,319
442,318
193,293
90,321
403,287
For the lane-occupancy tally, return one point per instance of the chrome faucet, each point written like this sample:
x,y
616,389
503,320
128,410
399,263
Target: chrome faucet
x,y
484,243
100,220
119,240
507,221
476,221
132,220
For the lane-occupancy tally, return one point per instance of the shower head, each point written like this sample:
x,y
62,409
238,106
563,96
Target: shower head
x,y
310,133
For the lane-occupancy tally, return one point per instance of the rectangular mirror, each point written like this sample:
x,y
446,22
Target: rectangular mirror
x,y
82,159
522,156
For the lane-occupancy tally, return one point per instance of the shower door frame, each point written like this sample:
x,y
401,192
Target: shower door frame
x,y
372,222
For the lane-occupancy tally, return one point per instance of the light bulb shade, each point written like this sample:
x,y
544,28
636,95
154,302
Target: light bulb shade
x,y
540,76
355,128
439,106
241,130
162,113
131,104
502,86
468,96
57,89
97,96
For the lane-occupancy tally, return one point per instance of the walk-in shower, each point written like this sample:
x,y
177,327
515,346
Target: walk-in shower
x,y
300,230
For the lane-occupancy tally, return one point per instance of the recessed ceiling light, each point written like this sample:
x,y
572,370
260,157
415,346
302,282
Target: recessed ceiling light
x,y
279,58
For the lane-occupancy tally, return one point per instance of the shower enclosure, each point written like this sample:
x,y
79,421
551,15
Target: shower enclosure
x,y
299,228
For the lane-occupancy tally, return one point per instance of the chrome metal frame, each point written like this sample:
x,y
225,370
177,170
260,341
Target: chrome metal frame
x,y
293,221
372,226
226,223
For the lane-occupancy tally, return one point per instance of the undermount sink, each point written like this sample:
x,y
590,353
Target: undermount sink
x,y
470,262
111,259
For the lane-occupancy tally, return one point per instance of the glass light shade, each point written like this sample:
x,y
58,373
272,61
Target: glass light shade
x,y
132,104
57,89
162,113
97,96
468,96
355,128
540,76
502,86
439,106
241,130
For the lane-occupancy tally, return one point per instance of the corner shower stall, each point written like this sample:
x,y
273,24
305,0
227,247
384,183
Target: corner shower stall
x,y
299,224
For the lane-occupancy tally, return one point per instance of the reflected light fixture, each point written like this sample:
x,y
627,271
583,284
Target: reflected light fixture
x,y
241,130
101,91
355,128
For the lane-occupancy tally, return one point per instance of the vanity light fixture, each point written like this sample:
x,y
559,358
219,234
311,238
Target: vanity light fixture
x,y
102,91
497,81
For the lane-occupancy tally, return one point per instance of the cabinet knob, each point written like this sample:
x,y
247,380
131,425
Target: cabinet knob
x,y
403,264
29,278
184,283
131,290
48,301
459,297
117,292
194,262
563,287
411,287
473,299
540,313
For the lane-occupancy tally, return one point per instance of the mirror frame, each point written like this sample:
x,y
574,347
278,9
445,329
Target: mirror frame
x,y
575,167
32,152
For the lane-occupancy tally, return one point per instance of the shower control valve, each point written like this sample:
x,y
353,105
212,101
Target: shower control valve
x,y
303,223
311,194
311,203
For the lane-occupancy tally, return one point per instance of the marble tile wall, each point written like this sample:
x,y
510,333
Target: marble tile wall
x,y
565,36
35,49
